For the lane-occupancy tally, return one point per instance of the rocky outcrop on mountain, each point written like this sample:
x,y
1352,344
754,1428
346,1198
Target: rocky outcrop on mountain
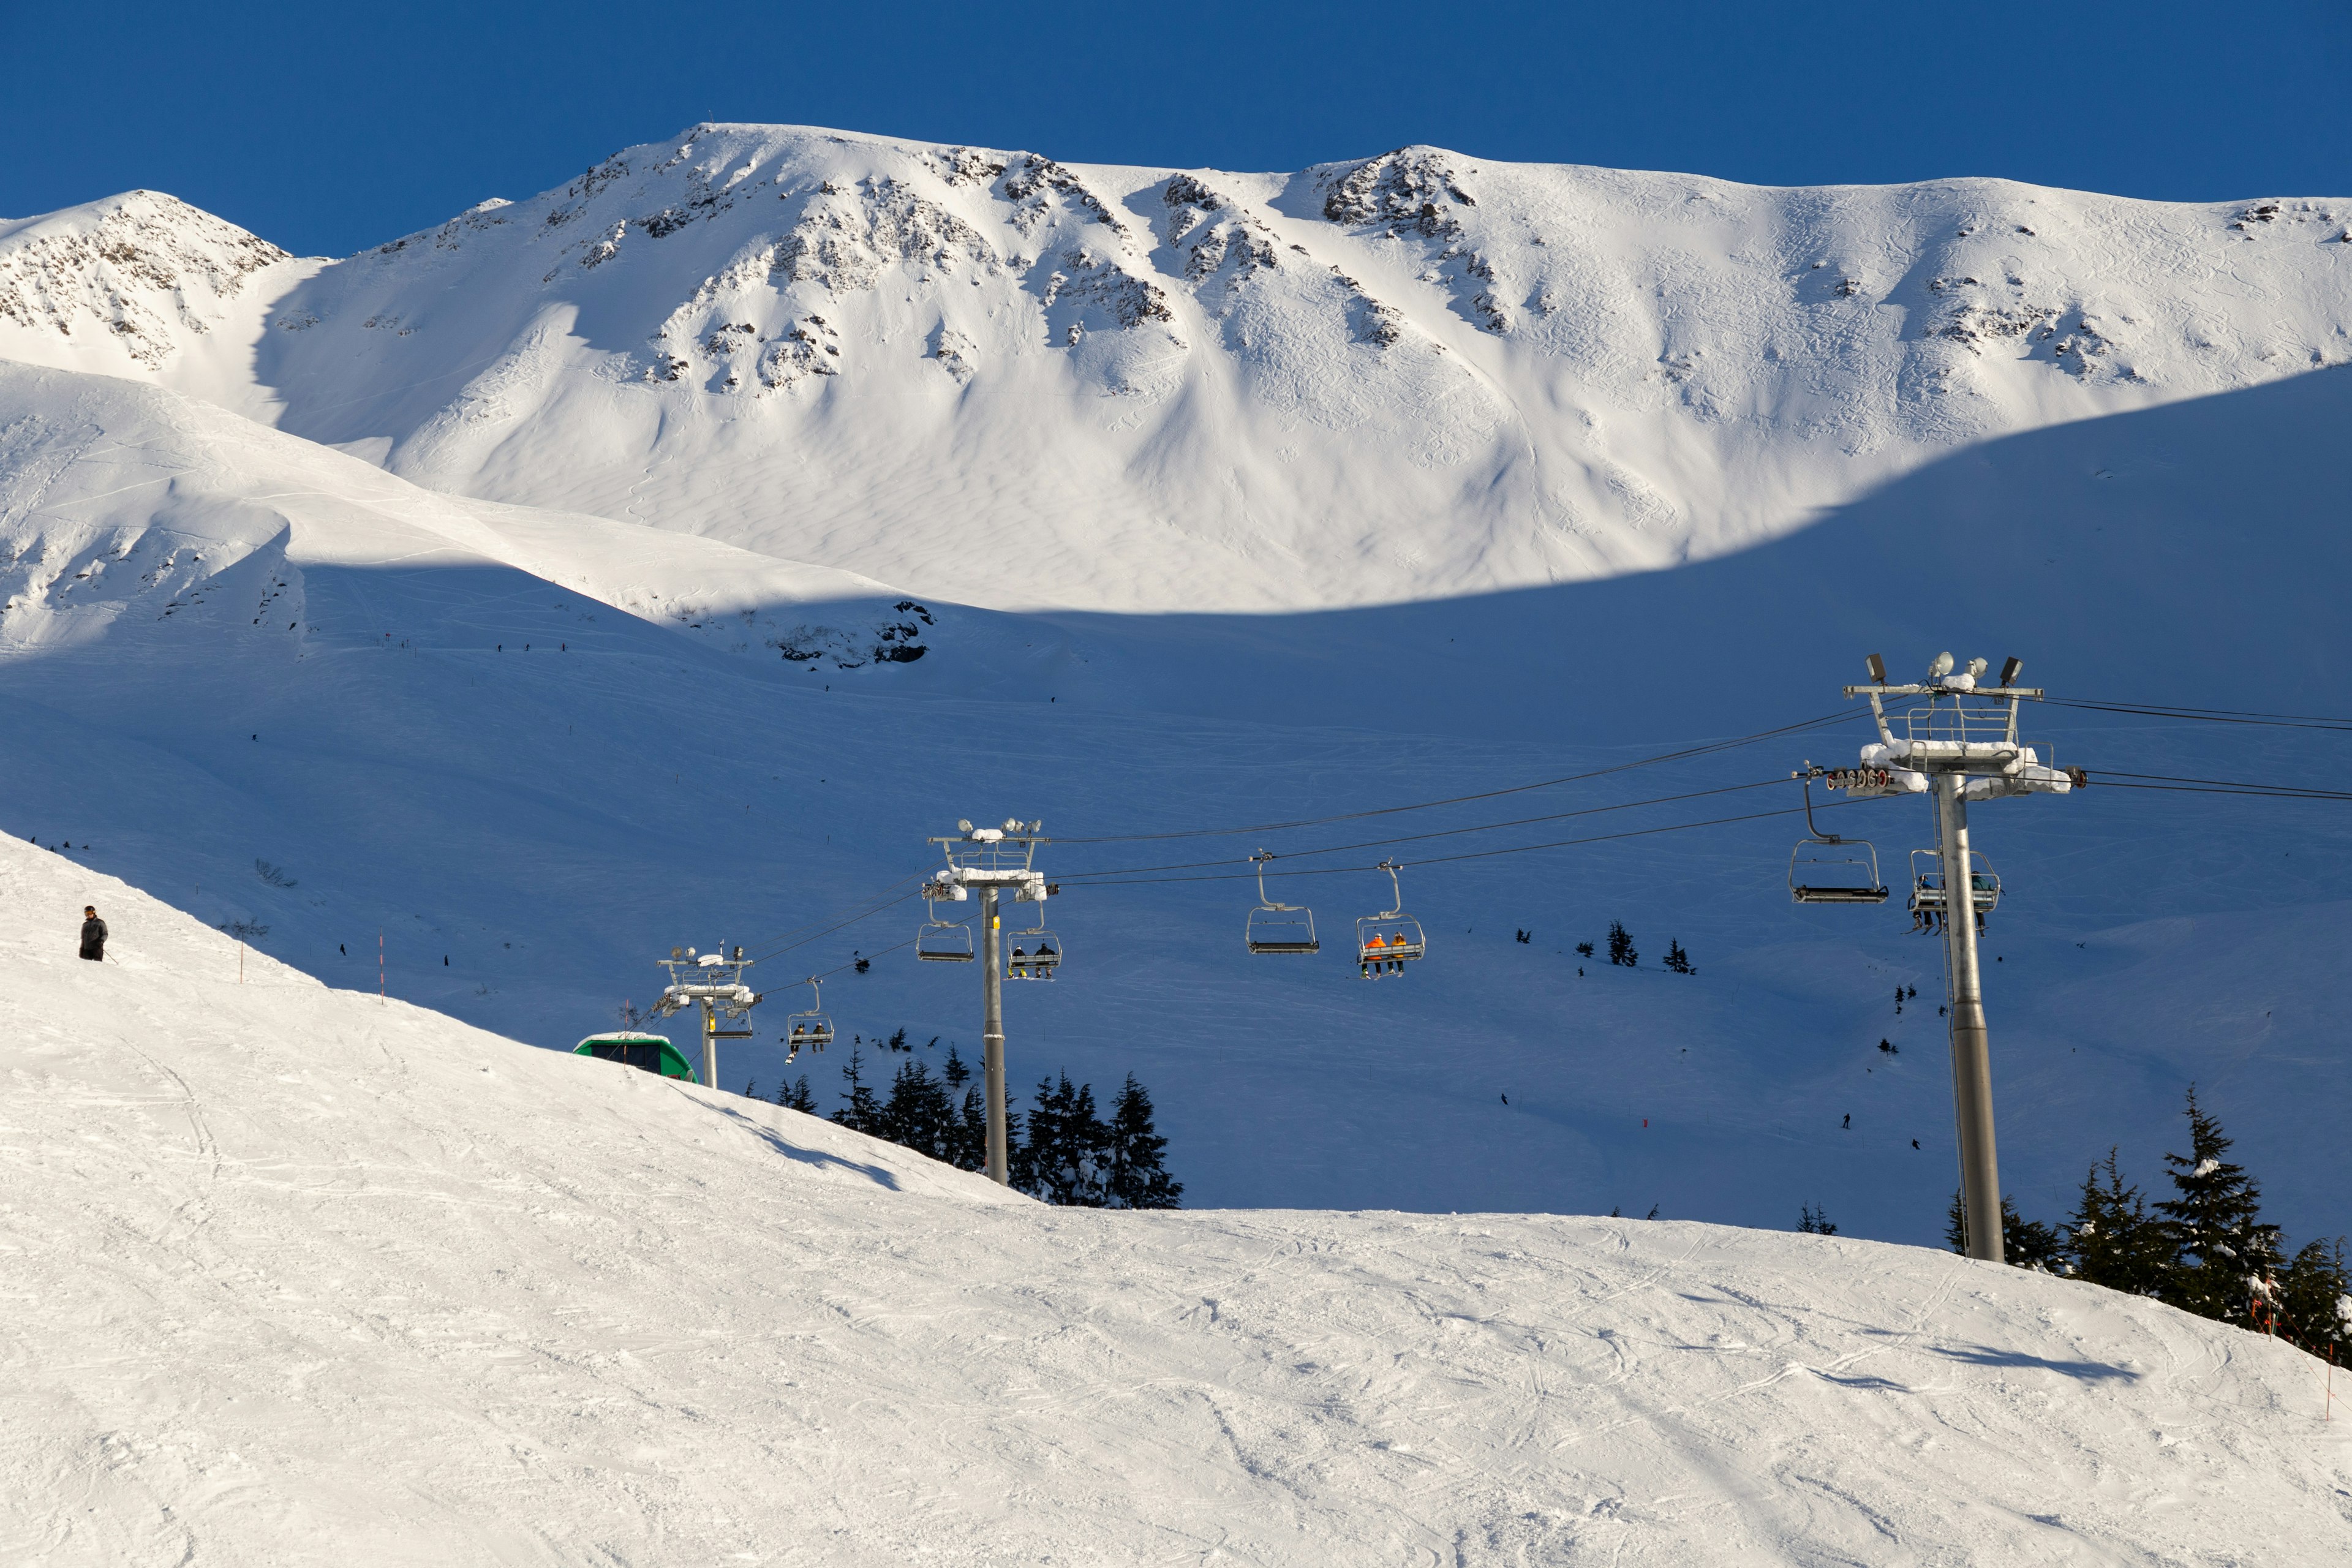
x,y
142,269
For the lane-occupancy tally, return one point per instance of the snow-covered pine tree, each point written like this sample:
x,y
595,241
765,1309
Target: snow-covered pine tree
x,y
1621,946
1063,1157
2315,1299
2216,1220
1137,1178
2114,1241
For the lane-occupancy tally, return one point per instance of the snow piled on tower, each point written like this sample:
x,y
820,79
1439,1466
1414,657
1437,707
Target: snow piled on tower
x,y
302,1275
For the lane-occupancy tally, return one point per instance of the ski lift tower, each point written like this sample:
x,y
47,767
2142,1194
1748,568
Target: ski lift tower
x,y
1958,746
714,983
991,860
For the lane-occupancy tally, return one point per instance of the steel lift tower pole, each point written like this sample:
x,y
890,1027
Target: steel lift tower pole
x,y
1960,746
991,860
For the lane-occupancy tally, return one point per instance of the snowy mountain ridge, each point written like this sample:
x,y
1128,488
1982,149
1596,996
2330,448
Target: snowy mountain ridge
x,y
1402,377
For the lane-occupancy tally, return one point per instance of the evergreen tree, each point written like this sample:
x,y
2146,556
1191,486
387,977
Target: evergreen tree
x,y
795,1095
1063,1160
1137,1179
2114,1241
1810,1220
1621,946
1677,959
859,1112
2024,1243
919,1114
1584,950
2315,1300
2216,1222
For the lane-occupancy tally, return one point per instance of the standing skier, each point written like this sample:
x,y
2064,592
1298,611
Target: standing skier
x,y
93,934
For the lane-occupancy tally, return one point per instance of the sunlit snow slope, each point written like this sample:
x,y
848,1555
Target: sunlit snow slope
x,y
307,693
296,1275
990,377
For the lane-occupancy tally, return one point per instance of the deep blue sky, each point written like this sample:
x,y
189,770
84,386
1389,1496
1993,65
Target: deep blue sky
x,y
327,127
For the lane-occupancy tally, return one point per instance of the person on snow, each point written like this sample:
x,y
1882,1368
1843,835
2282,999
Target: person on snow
x,y
93,934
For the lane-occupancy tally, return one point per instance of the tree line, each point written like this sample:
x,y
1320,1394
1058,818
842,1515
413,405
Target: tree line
x,y
1063,1150
2206,1249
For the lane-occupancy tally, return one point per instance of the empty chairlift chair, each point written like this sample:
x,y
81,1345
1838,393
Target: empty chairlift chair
x,y
1387,942
1275,926
811,1028
943,941
1824,868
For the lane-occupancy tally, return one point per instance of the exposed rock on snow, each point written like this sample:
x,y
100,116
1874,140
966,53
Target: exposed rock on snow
x,y
143,268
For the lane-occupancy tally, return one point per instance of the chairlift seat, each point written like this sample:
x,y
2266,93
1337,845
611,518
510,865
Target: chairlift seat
x,y
1284,944
1807,895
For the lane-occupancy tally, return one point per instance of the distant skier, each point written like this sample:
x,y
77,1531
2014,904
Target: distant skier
x,y
93,934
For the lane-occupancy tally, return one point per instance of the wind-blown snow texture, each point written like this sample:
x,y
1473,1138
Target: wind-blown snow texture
x,y
297,1276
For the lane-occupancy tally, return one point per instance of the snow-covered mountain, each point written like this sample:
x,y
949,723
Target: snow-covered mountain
x,y
301,1276
282,561
988,377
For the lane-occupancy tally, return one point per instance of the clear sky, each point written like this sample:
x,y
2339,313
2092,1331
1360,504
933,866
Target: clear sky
x,y
327,127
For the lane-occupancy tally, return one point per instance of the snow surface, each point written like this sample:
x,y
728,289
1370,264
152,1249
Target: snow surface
x,y
227,644
297,1275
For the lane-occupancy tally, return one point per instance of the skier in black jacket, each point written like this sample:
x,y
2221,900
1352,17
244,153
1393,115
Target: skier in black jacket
x,y
93,934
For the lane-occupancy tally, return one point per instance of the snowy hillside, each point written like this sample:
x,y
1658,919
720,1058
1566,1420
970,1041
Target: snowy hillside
x,y
992,378
307,693
295,1275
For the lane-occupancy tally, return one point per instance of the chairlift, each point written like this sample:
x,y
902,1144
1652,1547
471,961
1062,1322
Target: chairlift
x,y
1386,942
943,941
1275,926
1036,953
1928,891
811,1028
1825,869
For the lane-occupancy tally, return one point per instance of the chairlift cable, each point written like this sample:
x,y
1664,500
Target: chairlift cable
x,y
2211,715
1085,878
843,925
1488,854
1841,716
2309,792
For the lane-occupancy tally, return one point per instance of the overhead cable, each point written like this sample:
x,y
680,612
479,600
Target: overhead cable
x,y
1699,751
1083,879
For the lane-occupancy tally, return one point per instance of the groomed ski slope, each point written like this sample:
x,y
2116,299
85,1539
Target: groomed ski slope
x,y
297,1275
